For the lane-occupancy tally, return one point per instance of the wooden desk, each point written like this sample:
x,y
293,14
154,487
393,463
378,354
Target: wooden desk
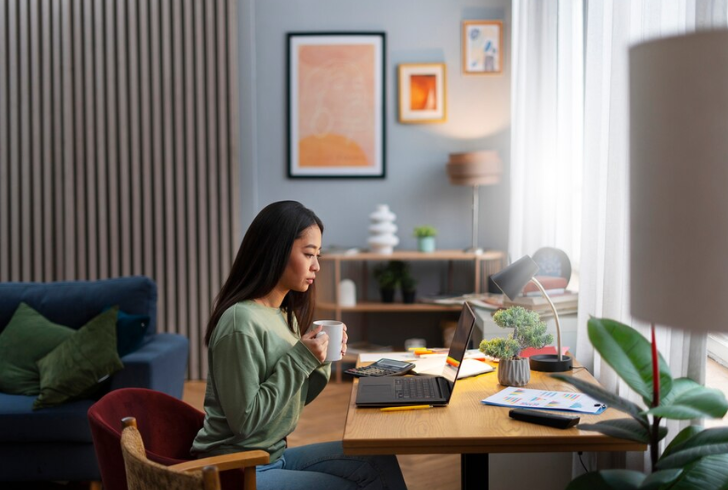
x,y
472,429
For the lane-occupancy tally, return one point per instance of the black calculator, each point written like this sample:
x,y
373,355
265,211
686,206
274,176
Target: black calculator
x,y
383,367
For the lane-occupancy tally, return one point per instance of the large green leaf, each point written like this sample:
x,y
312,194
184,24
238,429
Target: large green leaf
x,y
657,479
629,429
679,439
608,480
607,397
630,355
689,400
704,443
708,473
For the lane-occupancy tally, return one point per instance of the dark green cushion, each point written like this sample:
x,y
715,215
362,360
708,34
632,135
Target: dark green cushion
x,y
78,366
28,337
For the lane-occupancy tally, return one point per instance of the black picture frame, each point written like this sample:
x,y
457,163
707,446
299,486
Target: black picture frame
x,y
336,105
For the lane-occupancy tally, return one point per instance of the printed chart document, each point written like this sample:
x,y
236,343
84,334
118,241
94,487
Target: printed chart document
x,y
545,400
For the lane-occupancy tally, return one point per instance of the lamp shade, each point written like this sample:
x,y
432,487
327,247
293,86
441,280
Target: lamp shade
x,y
512,279
679,181
474,168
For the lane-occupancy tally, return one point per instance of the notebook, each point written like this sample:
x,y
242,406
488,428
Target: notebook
x,y
386,391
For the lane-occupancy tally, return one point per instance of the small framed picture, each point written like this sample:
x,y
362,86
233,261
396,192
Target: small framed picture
x,y
422,93
482,47
336,105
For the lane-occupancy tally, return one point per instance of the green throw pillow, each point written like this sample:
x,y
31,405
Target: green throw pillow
x,y
76,368
27,338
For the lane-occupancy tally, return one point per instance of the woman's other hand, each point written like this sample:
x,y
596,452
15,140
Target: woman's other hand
x,y
344,340
317,346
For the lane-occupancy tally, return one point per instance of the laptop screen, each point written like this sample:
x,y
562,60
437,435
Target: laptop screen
x,y
459,344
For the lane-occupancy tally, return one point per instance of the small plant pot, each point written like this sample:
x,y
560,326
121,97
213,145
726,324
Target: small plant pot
x,y
408,296
514,372
426,244
387,295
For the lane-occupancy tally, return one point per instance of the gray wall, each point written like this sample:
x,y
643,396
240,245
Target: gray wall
x,y
416,186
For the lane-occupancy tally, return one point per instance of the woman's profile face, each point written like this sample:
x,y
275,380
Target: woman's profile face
x,y
303,263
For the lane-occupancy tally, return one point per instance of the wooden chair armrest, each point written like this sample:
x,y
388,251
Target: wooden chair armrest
x,y
224,462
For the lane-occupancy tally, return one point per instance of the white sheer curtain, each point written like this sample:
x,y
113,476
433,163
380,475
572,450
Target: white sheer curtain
x,y
546,135
611,27
561,107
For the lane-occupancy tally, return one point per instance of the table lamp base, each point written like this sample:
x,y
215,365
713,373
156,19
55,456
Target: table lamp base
x,y
549,363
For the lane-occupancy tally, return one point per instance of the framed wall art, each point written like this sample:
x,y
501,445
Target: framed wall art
x,y
422,89
482,47
336,105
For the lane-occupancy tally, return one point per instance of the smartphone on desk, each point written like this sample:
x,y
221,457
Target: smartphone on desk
x,y
383,367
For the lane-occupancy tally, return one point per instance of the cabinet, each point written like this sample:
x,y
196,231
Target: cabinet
x,y
335,267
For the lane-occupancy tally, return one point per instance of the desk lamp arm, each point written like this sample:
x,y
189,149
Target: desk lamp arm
x,y
556,316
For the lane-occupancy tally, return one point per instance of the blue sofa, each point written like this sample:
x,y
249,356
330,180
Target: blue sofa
x,y
54,444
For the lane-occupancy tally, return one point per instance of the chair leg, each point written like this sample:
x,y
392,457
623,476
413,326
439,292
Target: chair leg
x,y
249,482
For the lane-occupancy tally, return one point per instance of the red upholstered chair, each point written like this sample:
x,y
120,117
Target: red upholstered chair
x,y
167,425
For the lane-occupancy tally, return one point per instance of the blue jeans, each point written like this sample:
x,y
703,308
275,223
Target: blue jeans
x,y
324,466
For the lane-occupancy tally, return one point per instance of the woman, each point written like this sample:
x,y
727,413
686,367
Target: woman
x,y
265,363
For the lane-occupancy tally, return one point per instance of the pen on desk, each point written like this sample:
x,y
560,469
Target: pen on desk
x,y
410,407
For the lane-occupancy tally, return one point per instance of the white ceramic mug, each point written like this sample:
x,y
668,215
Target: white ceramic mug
x,y
335,330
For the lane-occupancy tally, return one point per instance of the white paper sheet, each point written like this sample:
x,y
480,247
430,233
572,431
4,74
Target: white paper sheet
x,y
545,400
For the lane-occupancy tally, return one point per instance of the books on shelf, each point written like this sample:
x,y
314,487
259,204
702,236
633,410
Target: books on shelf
x,y
548,283
488,301
550,292
567,302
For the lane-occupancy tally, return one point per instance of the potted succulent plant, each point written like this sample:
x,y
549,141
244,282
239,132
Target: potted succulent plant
x,y
425,238
528,331
696,457
388,279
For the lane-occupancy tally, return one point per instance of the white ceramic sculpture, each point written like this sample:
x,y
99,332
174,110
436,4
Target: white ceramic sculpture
x,y
382,230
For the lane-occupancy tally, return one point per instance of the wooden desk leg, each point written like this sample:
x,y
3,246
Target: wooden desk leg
x,y
474,471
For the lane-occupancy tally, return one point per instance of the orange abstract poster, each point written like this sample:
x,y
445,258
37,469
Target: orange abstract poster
x,y
335,106
422,93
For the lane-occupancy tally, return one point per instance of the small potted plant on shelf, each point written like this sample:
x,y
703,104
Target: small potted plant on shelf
x,y
528,331
409,287
388,280
406,282
425,238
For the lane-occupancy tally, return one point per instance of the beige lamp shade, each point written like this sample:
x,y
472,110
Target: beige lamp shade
x,y
679,181
474,168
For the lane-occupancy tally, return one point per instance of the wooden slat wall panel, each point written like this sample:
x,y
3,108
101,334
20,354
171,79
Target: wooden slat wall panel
x,y
4,150
118,153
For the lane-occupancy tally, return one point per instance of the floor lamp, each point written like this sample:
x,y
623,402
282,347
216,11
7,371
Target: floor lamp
x,y
474,168
679,181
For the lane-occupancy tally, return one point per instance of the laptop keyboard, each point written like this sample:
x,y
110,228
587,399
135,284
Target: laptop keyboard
x,y
418,388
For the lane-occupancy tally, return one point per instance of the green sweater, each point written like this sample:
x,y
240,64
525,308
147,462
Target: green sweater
x,y
260,377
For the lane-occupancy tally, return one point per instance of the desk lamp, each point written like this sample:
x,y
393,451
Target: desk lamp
x,y
511,281
679,181
474,168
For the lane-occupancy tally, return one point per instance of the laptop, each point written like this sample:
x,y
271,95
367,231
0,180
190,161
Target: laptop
x,y
392,391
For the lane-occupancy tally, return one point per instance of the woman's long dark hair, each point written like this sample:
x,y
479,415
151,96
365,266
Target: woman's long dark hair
x,y
261,261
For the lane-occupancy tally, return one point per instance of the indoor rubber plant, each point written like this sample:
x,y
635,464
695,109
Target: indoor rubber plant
x,y
528,331
696,457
